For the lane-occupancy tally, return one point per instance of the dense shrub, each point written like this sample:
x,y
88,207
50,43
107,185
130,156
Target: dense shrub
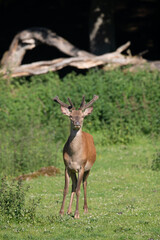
x,y
13,202
127,100
156,162
32,126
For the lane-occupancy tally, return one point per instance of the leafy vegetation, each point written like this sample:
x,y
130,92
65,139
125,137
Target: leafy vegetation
x,y
12,202
156,162
123,187
33,130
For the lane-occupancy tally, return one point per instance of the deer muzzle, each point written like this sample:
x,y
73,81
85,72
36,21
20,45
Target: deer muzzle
x,y
77,125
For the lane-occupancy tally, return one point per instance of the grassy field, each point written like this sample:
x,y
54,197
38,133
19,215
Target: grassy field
x,y
123,199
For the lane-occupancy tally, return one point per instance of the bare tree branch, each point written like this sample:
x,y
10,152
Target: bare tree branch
x,y
30,38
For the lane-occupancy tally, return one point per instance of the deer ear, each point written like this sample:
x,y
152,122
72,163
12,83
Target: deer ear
x,y
65,111
87,111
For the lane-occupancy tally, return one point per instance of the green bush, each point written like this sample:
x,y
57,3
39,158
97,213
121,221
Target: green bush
x,y
33,129
156,162
13,202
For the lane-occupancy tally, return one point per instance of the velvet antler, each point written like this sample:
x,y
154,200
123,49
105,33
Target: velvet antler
x,y
84,106
71,106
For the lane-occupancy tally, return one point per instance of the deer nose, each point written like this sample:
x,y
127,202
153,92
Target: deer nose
x,y
77,123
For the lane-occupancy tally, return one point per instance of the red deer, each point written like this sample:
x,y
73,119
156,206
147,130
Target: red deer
x,y
79,153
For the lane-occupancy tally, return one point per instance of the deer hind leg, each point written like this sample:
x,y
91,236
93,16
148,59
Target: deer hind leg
x,y
66,186
74,186
86,174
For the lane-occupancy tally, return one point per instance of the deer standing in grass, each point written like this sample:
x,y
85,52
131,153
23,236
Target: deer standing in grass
x,y
79,153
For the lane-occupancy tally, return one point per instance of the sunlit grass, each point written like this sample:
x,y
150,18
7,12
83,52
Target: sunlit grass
x,y
123,199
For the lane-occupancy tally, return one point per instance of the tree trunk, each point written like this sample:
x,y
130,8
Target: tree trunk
x,y
102,28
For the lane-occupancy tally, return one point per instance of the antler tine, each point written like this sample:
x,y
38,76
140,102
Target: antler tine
x,y
71,104
56,99
95,97
82,103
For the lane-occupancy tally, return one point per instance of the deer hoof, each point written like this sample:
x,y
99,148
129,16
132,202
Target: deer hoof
x,y
69,212
61,213
76,215
85,210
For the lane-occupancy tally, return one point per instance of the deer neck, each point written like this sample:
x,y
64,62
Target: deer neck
x,y
75,139
75,133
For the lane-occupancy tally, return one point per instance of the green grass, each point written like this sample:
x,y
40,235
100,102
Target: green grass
x,y
123,199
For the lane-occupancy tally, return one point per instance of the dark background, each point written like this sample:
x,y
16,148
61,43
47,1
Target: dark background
x,y
137,21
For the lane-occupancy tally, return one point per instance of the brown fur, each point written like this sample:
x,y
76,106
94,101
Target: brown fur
x,y
79,153
79,149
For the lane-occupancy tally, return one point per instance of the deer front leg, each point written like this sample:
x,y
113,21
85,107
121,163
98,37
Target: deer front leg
x,y
74,185
66,186
80,177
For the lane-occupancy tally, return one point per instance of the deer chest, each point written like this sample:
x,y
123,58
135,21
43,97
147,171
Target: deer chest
x,y
74,161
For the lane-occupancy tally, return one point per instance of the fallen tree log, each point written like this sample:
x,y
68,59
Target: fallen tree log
x,y
78,62
29,39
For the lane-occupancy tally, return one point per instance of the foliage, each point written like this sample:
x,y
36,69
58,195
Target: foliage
x,y
12,202
128,103
156,162
33,129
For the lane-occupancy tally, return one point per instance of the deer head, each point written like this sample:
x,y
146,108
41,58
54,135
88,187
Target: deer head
x,y
76,116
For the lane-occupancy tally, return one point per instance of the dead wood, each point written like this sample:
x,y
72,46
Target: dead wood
x,y
44,171
30,38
